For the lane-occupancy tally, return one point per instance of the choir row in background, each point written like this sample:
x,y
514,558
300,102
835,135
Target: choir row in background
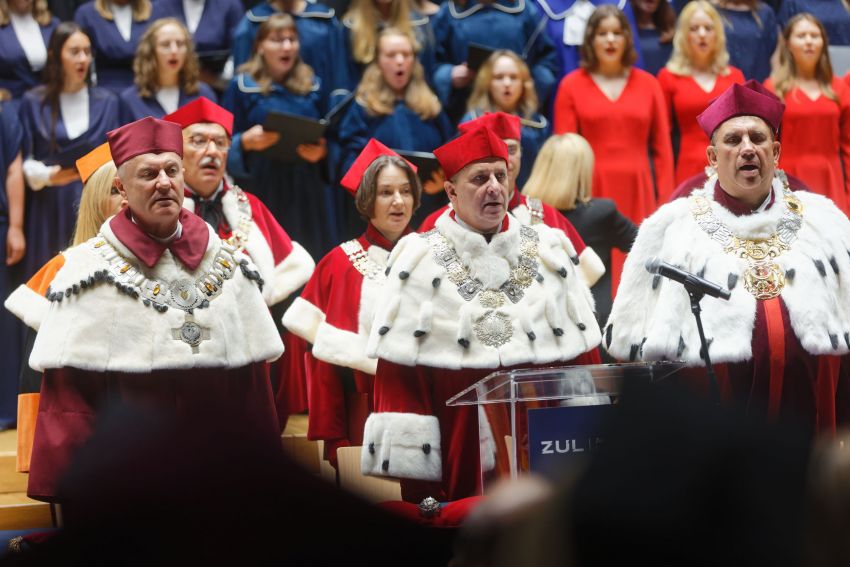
x,y
547,33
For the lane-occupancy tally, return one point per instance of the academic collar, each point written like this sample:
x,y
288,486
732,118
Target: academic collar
x,y
736,206
188,246
515,200
375,238
487,236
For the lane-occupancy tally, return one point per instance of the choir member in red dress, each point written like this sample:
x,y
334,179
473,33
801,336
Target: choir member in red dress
x,y
816,126
333,312
620,110
780,343
461,301
697,73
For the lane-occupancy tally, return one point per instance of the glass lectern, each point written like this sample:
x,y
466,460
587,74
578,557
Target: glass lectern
x,y
538,419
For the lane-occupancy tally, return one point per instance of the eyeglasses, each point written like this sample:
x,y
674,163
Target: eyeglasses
x,y
281,41
200,142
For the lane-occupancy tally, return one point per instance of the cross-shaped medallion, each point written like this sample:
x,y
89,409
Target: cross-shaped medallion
x,y
191,333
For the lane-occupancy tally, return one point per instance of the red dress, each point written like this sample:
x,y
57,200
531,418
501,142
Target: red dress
x,y
686,99
621,132
815,138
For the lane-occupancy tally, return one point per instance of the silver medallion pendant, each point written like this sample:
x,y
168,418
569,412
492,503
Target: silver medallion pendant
x,y
191,333
184,294
494,328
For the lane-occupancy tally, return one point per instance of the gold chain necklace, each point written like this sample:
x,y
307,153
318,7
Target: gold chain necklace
x,y
763,278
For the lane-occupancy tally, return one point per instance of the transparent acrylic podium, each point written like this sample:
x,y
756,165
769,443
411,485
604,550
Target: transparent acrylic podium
x,y
506,401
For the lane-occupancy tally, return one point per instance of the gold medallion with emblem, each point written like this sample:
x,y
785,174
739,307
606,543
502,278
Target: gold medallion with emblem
x,y
763,277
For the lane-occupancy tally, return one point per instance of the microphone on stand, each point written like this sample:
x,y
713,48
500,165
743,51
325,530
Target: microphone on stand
x,y
692,282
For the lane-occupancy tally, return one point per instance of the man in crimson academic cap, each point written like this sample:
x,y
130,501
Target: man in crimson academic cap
x,y
782,338
155,310
527,210
478,293
242,219
237,215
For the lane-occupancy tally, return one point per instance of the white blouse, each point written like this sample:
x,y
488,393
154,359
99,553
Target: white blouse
x,y
28,33
168,98
123,16
193,9
74,108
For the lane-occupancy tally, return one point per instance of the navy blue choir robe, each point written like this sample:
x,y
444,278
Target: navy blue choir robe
x,y
427,54
295,193
503,24
132,107
401,130
535,131
556,13
322,41
214,36
16,74
113,57
11,138
655,54
833,15
51,213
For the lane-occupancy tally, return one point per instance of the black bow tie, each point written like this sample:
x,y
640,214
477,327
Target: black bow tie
x,y
210,210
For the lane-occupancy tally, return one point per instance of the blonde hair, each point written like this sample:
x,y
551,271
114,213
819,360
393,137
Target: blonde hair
x,y
40,12
784,76
141,9
379,100
562,175
145,66
680,59
93,201
365,23
299,80
480,98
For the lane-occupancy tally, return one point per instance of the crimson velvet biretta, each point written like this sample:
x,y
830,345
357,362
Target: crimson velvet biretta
x,y
504,125
373,150
199,110
474,145
146,136
749,99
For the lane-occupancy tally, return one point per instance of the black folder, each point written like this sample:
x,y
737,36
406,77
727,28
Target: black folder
x,y
294,130
477,54
426,163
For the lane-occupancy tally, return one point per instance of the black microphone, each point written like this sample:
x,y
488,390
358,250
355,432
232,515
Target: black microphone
x,y
655,265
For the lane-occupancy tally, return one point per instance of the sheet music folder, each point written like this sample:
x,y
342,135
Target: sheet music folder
x,y
477,54
426,163
294,130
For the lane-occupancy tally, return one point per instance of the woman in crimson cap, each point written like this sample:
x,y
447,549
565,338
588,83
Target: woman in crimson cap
x,y
331,311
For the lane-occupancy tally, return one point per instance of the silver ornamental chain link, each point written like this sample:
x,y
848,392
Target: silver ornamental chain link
x,y
361,261
184,294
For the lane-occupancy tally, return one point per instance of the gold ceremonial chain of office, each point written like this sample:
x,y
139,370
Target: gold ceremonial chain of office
x,y
240,232
763,277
